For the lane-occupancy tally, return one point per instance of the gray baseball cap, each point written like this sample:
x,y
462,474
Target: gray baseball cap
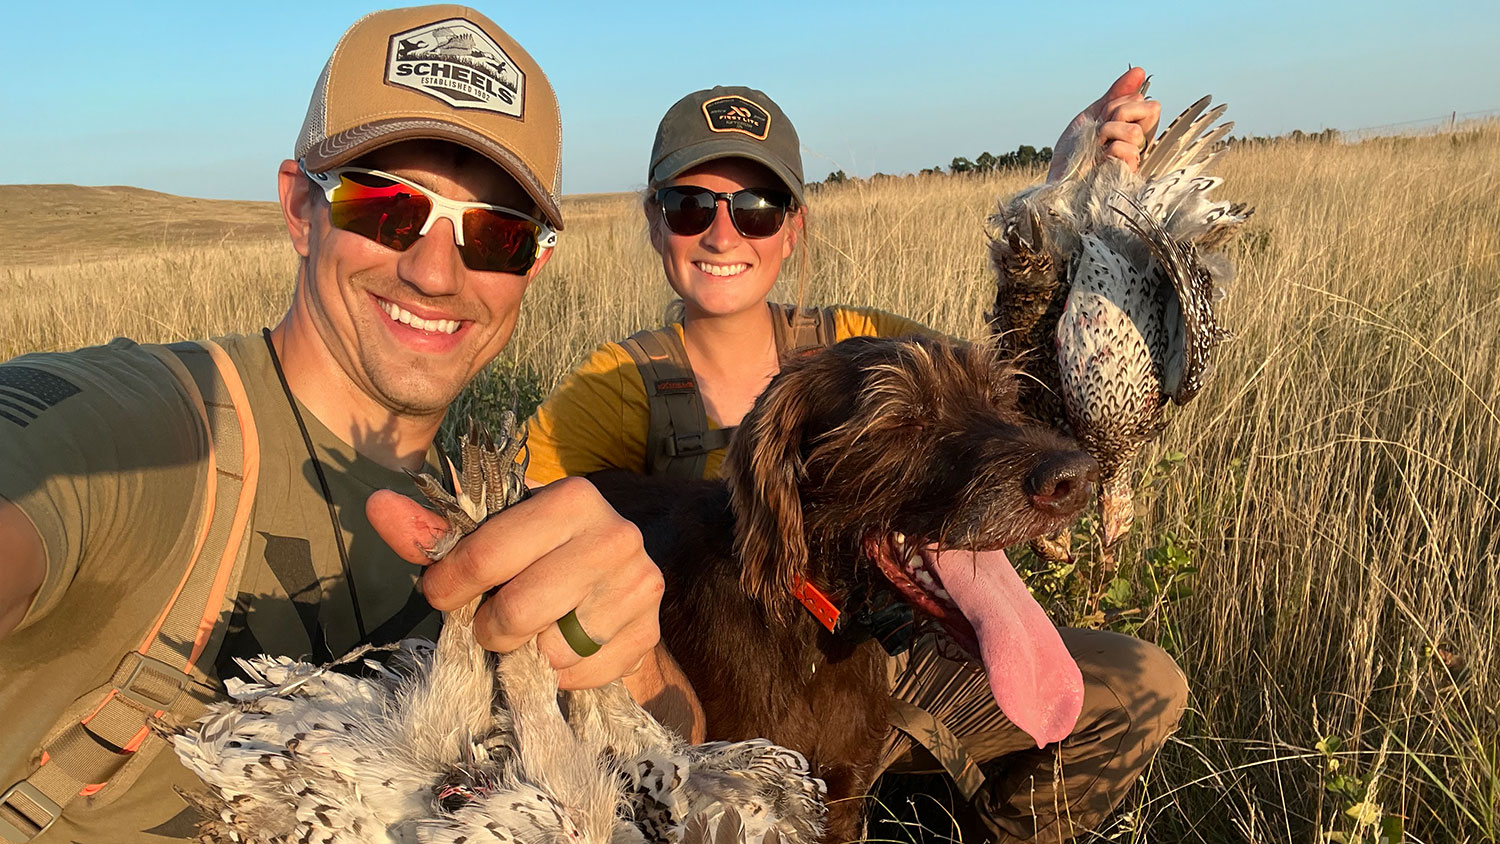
x,y
727,122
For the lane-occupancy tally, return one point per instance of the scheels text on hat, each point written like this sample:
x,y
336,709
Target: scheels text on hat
x,y
440,73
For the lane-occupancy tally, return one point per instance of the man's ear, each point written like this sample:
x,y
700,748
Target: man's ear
x,y
541,261
295,191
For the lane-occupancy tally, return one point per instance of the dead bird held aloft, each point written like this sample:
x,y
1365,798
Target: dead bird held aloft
x,y
1108,284
423,743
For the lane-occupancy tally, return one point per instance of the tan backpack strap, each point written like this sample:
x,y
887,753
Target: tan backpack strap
x,y
677,436
925,729
924,684
802,331
107,730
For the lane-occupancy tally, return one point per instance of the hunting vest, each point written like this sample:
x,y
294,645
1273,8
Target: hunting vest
x,y
677,438
105,736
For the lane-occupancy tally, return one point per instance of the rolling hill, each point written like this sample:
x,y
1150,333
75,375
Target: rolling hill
x,y
48,224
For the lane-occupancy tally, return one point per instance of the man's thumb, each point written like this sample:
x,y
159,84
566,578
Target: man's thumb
x,y
405,525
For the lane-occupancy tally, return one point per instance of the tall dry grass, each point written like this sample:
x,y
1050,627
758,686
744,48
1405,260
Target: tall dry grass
x,y
1340,496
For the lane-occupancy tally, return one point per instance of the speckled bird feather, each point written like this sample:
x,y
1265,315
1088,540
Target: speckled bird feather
x,y
423,743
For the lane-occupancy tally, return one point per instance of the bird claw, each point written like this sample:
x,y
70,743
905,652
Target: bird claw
x,y
1054,549
460,523
442,545
489,480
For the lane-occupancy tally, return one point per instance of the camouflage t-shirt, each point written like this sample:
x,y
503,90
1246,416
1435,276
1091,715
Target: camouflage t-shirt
x,y
101,449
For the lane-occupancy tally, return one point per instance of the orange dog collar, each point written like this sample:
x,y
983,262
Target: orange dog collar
x,y
817,602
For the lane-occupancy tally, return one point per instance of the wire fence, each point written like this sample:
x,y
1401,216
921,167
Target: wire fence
x,y
1452,122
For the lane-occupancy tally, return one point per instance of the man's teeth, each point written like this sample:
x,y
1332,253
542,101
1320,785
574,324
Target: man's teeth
x,y
721,269
405,317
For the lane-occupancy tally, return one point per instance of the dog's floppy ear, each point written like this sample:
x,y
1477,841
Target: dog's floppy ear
x,y
764,466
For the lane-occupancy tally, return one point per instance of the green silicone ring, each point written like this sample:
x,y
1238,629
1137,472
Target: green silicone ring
x,y
581,643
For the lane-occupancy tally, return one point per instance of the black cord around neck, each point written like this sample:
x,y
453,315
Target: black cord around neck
x,y
333,516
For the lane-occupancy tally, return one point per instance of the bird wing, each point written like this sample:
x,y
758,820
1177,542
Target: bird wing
x,y
279,761
763,790
1185,142
1192,327
1175,180
522,814
1031,244
718,789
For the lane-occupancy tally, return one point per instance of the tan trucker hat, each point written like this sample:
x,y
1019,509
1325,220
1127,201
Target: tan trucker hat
x,y
726,122
437,72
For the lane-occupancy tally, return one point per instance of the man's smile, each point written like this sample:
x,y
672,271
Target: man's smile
x,y
421,329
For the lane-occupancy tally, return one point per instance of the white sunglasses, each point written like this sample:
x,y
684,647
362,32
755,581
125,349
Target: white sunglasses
x,y
395,213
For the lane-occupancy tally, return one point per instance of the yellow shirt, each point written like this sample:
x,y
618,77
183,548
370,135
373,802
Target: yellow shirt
x,y
598,416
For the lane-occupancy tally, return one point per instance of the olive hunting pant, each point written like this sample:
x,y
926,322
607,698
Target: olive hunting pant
x,y
1134,695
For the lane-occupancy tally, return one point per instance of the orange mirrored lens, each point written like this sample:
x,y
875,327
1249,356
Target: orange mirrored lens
x,y
386,212
498,242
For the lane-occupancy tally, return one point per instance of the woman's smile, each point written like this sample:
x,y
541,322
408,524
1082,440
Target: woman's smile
x,y
721,270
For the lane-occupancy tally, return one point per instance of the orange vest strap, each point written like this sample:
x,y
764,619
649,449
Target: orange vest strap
x,y
104,738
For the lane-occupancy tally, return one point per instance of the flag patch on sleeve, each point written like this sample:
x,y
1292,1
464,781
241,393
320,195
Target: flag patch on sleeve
x,y
26,391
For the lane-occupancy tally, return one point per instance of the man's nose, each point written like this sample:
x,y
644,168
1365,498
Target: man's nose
x,y
432,264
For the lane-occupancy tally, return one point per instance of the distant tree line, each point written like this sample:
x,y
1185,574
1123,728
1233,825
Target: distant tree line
x,y
1027,156
1296,136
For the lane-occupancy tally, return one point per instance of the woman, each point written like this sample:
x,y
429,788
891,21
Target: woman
x,y
725,210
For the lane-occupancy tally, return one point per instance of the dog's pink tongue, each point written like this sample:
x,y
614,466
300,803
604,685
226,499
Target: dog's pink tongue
x,y
1032,675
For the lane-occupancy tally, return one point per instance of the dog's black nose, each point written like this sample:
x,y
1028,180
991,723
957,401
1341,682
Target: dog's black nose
x,y
1060,484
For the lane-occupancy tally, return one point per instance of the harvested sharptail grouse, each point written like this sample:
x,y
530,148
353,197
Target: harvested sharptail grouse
x,y
1108,282
445,743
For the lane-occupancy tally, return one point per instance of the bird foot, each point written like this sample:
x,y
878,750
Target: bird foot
x,y
489,480
1056,548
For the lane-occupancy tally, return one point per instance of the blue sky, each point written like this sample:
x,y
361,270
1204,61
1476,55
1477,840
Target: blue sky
x,y
204,99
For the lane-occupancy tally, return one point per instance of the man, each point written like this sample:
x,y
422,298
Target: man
x,y
403,292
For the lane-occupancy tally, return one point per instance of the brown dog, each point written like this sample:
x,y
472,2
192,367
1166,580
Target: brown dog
x,y
888,474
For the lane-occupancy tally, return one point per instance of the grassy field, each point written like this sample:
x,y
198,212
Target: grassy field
x,y
1317,541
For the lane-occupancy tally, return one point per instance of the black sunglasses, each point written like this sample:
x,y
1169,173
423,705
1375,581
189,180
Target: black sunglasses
x,y
755,212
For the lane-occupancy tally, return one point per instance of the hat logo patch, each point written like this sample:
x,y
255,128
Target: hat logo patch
x,y
737,114
458,63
